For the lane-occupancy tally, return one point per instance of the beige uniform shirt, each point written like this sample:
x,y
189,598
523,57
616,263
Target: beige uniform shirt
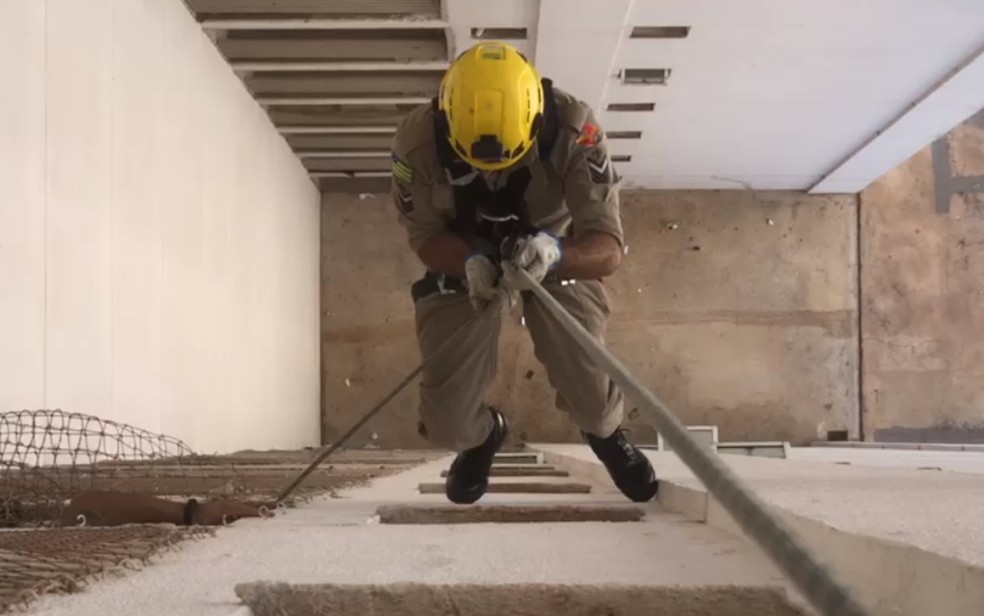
x,y
575,191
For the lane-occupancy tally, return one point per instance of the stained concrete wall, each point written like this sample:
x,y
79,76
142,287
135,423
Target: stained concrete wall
x,y
922,276
743,315
158,240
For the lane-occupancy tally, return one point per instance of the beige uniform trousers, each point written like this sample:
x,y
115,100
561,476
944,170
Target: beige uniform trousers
x,y
453,386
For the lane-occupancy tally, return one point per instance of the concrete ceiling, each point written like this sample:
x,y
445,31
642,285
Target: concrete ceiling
x,y
819,94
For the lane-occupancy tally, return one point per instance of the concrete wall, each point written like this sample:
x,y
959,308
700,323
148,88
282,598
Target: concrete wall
x,y
731,319
922,255
158,240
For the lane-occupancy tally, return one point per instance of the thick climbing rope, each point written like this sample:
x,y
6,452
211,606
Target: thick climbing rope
x,y
768,531
492,308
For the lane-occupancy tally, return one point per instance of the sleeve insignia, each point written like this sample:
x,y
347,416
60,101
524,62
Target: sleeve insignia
x,y
404,198
401,171
589,135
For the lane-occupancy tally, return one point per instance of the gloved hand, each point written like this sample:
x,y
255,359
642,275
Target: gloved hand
x,y
482,277
536,254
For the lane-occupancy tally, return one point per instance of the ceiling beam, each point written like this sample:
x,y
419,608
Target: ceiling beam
x,y
337,115
322,100
350,174
336,130
336,143
315,23
374,83
365,187
344,154
323,8
299,66
349,165
949,102
334,49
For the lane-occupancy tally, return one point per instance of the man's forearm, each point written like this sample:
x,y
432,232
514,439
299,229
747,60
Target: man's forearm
x,y
446,254
591,256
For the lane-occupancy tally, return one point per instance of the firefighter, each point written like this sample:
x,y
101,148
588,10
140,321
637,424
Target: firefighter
x,y
500,171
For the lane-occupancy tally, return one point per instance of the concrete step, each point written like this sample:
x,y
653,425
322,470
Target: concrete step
x,y
509,470
519,487
761,449
518,458
704,435
505,514
281,599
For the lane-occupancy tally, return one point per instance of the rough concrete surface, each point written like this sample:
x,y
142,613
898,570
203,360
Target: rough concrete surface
x,y
505,514
741,316
967,147
524,471
529,487
929,461
330,542
922,267
878,501
511,600
909,541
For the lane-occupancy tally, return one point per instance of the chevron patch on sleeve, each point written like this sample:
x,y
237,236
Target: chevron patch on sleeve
x,y
600,166
404,198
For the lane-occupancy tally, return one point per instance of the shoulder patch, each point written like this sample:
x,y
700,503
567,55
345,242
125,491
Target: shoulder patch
x,y
600,167
589,135
401,171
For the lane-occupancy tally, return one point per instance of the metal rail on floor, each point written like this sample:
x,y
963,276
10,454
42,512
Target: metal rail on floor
x,y
771,534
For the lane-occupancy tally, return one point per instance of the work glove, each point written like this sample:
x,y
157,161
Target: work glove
x,y
536,254
481,277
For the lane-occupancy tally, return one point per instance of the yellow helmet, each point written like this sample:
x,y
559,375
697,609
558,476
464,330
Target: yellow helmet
x,y
491,105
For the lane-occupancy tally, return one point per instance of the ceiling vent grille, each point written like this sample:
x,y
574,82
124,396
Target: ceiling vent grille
x,y
499,34
631,106
660,32
646,76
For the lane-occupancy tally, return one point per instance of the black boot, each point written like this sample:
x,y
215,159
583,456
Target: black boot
x,y
628,467
468,477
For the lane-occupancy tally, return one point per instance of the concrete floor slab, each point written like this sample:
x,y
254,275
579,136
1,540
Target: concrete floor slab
x,y
506,514
512,600
953,460
938,511
518,487
524,458
524,471
909,540
335,541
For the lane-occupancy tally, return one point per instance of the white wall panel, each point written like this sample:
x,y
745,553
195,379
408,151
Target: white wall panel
x,y
138,53
180,242
221,206
182,251
80,223
22,205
